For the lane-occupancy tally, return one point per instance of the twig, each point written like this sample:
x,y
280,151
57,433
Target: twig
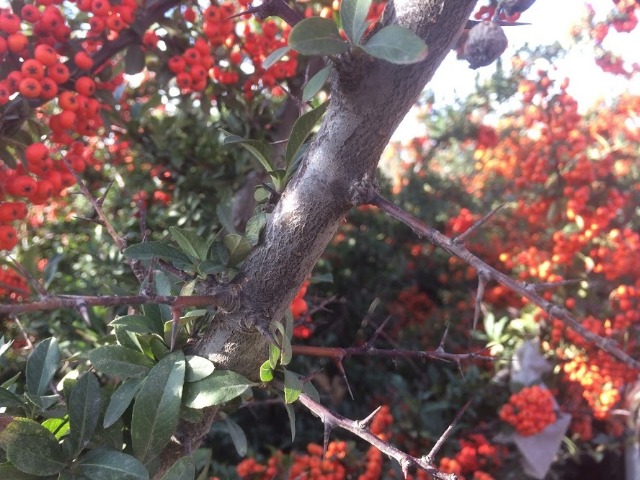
x,y
35,284
460,251
24,333
473,228
443,438
333,420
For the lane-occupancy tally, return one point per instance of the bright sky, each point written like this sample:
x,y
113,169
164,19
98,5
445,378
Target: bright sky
x,y
551,21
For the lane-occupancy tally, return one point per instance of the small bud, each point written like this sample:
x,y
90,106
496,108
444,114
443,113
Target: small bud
x,y
485,44
511,7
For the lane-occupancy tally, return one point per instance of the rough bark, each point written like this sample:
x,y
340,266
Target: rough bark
x,y
369,98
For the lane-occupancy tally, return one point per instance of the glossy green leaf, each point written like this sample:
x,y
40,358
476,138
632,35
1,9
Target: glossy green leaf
x,y
254,227
274,57
190,242
218,388
198,368
274,355
84,403
261,151
42,366
121,399
120,361
58,426
266,372
292,386
315,84
149,250
105,464
238,247
397,45
353,15
9,399
31,448
301,130
292,420
42,402
156,410
317,36
238,436
183,469
138,324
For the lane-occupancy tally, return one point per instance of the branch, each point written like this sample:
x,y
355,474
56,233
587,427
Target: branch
x,y
332,420
528,291
223,298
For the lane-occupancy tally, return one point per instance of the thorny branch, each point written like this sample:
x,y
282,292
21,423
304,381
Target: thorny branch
x,y
489,273
407,462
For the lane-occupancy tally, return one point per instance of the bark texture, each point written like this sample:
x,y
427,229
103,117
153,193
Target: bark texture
x,y
369,98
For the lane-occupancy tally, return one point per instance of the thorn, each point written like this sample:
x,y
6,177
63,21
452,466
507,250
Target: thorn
x,y
325,439
84,313
430,457
249,11
540,287
482,283
102,198
405,468
369,344
467,233
344,376
175,324
366,422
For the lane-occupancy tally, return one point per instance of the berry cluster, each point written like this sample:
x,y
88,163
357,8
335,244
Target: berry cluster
x,y
476,455
530,410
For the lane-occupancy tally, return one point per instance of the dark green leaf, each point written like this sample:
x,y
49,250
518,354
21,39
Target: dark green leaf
x,y
42,366
190,242
310,390
84,403
274,57
397,45
105,464
32,448
238,247
292,420
254,227
43,402
261,151
238,437
317,36
183,469
198,368
301,130
134,59
315,84
292,386
156,410
120,361
223,210
353,15
138,324
149,250
9,472
218,388
120,400
9,399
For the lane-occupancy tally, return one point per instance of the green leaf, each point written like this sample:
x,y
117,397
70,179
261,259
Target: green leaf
x,y
183,469
190,242
254,227
218,388
32,448
224,212
58,426
353,15
120,361
292,420
238,436
198,368
261,151
274,355
310,390
315,84
274,57
9,399
120,400
4,346
317,36
238,247
149,250
10,472
292,386
42,366
301,130
138,324
397,45
105,464
266,372
84,403
157,407
134,60
42,402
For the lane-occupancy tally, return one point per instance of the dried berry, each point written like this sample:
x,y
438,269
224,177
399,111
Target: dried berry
x,y
485,44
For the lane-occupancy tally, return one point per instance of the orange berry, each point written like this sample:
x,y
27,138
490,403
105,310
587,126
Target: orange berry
x,y
83,60
59,73
8,237
85,86
30,87
46,55
17,42
33,69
